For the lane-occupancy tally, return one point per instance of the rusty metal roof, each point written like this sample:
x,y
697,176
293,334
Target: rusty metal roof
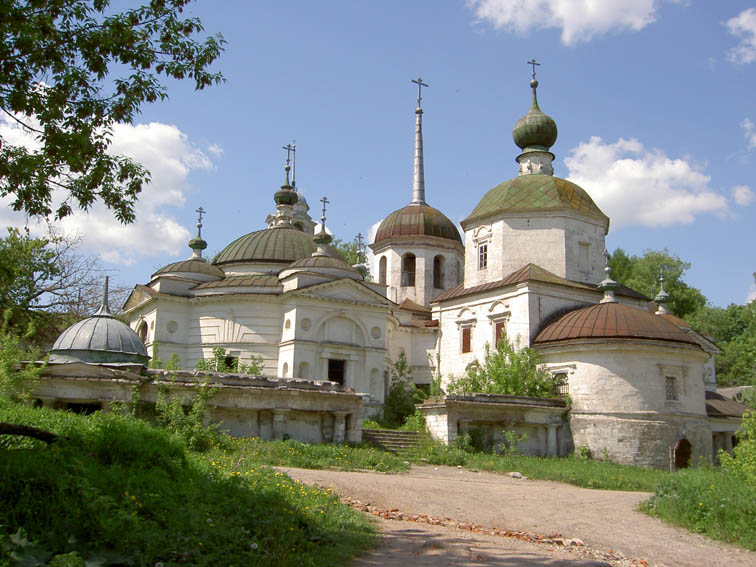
x,y
718,405
417,220
535,192
610,321
530,272
322,262
282,245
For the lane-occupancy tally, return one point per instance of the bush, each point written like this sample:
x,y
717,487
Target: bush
x,y
18,369
191,423
742,463
222,363
402,396
509,369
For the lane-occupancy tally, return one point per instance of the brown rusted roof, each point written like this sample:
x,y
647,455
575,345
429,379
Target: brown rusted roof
x,y
676,320
718,405
530,272
409,305
417,220
611,321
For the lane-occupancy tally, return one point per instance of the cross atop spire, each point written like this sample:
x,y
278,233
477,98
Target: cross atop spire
x,y
199,212
288,148
534,63
420,84
325,201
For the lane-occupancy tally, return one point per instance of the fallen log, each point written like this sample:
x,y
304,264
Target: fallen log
x,y
27,431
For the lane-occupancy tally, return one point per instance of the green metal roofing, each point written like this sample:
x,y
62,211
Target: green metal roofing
x,y
417,220
535,130
535,193
191,267
322,262
255,280
283,245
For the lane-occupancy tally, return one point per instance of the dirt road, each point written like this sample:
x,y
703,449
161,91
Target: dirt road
x,y
606,522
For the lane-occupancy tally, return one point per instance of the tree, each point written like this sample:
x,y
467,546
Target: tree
x,y
508,369
353,252
46,281
641,273
402,394
70,70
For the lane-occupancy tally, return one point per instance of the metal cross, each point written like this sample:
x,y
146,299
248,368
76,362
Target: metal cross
x,y
288,149
420,84
325,201
534,63
201,212
294,164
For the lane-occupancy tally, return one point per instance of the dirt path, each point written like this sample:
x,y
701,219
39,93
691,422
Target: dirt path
x,y
605,521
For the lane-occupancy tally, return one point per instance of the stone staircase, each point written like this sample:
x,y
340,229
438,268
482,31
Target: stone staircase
x,y
392,441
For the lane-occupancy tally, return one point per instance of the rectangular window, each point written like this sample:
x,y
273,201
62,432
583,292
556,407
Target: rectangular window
x,y
482,256
670,388
466,339
336,369
500,332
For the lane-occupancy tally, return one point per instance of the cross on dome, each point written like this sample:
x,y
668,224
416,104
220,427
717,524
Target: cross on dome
x,y
533,62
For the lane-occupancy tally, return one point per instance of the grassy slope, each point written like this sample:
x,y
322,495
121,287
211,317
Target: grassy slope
x,y
117,488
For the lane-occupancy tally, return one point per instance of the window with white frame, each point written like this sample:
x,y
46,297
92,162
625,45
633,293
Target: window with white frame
x,y
561,384
483,256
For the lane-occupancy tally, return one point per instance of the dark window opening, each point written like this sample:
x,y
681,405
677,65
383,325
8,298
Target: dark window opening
x,y
482,256
336,370
408,270
232,363
561,384
142,331
683,449
500,333
466,336
84,408
438,272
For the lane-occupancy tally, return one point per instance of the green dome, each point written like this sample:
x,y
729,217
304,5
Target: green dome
x,y
535,131
191,267
417,220
280,244
535,193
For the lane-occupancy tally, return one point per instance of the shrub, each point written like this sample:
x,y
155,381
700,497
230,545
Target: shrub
x,y
191,423
402,396
220,362
19,370
509,369
742,463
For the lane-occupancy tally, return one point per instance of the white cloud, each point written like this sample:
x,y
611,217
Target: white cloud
x,y
749,132
169,156
742,195
743,26
638,186
215,149
579,20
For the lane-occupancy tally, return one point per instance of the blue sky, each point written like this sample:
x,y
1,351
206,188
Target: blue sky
x,y
654,101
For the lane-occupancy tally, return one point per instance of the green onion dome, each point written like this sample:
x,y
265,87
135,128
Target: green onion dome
x,y
535,131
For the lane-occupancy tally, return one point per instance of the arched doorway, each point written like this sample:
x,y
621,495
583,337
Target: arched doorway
x,y
682,454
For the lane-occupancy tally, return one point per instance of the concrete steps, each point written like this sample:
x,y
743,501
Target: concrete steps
x,y
393,441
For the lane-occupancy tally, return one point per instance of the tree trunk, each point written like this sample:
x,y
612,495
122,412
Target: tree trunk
x,y
27,431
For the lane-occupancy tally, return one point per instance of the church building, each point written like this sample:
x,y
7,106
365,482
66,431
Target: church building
x,y
531,268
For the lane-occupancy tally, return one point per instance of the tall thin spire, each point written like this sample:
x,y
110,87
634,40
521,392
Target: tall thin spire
x,y
662,298
418,178
104,310
608,285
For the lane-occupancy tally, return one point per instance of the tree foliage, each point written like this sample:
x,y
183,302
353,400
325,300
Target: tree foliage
x,y
353,252
742,463
641,273
734,329
402,395
70,70
17,378
510,369
46,281
221,362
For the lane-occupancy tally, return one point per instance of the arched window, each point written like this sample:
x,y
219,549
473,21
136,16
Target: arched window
x,y
382,270
438,272
408,270
142,331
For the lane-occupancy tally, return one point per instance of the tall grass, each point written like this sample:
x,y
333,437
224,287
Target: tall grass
x,y
708,501
117,490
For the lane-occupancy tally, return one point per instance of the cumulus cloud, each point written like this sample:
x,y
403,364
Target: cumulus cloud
x,y
743,26
579,20
169,156
742,195
749,131
639,186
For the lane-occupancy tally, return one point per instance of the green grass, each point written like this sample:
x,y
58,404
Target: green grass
x,y
708,501
117,489
570,470
305,455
